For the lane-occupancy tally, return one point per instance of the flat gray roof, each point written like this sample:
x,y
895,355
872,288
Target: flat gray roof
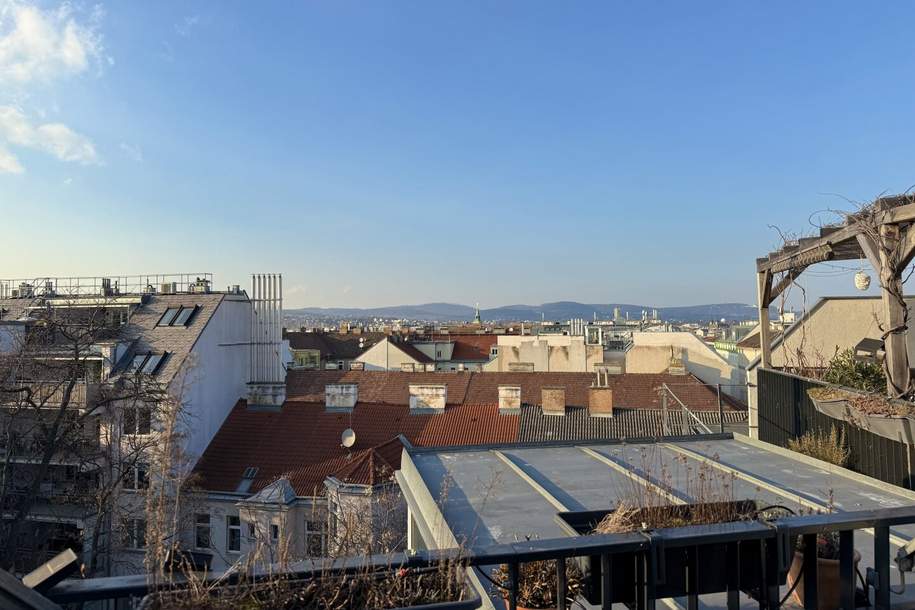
x,y
501,494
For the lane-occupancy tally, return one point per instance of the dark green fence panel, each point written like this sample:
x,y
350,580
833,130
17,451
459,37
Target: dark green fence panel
x,y
786,412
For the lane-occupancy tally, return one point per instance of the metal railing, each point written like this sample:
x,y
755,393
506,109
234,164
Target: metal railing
x,y
776,540
110,285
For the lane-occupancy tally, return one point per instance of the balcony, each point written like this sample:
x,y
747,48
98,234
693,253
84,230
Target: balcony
x,y
50,394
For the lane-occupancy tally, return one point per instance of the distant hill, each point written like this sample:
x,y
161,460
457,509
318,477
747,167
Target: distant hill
x,y
559,311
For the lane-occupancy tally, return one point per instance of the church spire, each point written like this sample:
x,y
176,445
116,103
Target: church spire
x,y
476,315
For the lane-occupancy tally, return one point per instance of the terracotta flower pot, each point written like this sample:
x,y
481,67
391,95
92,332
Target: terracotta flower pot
x,y
827,580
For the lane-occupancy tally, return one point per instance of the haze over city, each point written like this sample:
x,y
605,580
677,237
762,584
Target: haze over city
x,y
386,154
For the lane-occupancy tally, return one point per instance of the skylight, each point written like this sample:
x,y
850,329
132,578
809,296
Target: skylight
x,y
178,316
147,364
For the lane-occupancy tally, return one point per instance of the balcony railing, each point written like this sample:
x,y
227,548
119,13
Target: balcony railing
x,y
775,538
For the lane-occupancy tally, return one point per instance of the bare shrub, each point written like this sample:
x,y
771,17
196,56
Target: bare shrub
x,y
827,446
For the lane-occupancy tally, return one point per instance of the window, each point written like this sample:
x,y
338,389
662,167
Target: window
x,y
315,532
178,316
147,364
252,531
274,532
233,534
136,477
202,530
169,316
137,420
153,363
136,533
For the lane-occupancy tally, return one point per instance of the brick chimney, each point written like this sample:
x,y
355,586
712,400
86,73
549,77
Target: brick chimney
x,y
341,396
509,399
600,401
553,400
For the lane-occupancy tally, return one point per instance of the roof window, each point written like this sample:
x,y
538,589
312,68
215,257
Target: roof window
x,y
178,316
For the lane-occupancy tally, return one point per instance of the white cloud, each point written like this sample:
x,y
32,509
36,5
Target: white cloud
x,y
134,152
53,138
183,28
40,45
9,164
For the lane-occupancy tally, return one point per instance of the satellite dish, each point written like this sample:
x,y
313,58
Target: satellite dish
x,y
348,438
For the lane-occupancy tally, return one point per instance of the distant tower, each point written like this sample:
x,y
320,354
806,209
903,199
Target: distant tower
x,y
476,315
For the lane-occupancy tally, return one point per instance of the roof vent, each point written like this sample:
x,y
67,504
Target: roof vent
x,y
553,400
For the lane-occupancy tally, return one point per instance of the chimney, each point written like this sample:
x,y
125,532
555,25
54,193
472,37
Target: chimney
x,y
341,396
553,400
600,401
428,397
677,365
267,375
509,399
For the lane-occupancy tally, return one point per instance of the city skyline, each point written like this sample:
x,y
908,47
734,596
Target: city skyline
x,y
379,155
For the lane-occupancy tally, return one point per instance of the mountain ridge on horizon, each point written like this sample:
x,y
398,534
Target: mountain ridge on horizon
x,y
557,311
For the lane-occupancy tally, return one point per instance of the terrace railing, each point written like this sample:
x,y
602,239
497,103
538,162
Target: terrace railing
x,y
775,538
111,285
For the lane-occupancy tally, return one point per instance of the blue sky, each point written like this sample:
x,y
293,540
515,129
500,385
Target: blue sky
x,y
400,152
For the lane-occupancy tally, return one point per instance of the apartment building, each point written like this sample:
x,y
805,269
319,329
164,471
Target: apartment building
x,y
105,354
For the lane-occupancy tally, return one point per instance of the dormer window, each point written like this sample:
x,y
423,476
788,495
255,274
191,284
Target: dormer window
x,y
178,316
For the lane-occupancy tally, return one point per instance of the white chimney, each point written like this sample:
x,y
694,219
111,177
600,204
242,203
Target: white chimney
x,y
341,396
424,397
509,399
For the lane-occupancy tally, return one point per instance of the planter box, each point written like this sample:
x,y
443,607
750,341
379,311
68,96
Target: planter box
x,y
471,601
899,429
709,562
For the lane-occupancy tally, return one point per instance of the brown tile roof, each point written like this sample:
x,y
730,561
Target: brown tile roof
x,y
385,387
333,346
472,347
413,352
302,441
632,390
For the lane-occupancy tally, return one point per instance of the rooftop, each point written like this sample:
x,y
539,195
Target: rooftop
x,y
501,494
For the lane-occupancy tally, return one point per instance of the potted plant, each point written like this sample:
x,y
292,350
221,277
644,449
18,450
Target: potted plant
x,y
827,571
537,586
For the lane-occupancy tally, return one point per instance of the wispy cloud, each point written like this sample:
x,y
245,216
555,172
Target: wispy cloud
x,y
186,26
55,139
41,45
132,151
9,164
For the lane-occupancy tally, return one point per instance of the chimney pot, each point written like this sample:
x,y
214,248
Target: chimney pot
x,y
428,397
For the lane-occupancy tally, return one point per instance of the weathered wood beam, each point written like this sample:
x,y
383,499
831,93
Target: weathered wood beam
x,y
811,250
763,291
897,360
783,283
803,258
906,249
870,249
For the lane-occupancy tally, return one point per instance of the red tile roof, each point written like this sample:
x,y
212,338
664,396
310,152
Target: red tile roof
x,y
633,390
372,466
302,441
